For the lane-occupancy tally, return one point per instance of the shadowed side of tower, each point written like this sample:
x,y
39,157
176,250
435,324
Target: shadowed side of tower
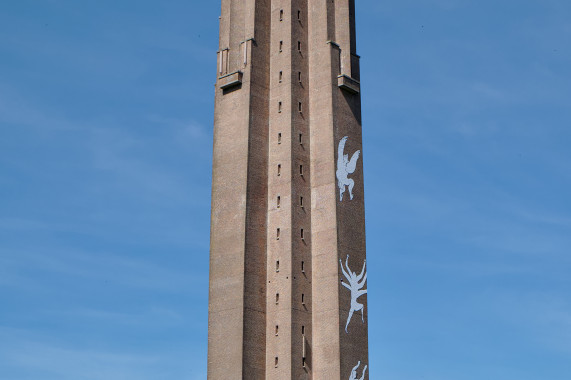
x,y
340,320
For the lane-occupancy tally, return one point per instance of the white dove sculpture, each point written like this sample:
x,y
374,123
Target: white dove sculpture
x,y
344,168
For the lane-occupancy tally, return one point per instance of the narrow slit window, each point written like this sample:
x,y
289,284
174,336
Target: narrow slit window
x,y
279,170
278,234
277,266
303,267
281,76
303,362
302,330
298,15
301,139
299,76
281,46
278,202
301,170
303,299
301,201
276,362
281,14
299,46
277,330
279,138
280,107
302,233
299,107
277,298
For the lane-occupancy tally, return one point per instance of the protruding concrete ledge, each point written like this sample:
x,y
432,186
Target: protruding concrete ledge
x,y
349,84
230,80
333,43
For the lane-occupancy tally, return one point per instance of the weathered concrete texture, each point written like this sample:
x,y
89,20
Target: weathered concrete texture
x,y
277,305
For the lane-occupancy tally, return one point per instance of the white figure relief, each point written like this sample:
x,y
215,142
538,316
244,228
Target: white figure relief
x,y
355,285
344,168
354,372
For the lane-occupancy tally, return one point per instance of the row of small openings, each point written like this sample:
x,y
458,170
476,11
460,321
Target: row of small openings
x,y
279,201
282,15
300,138
278,232
282,46
280,170
278,266
299,107
278,299
303,363
302,330
281,76
277,360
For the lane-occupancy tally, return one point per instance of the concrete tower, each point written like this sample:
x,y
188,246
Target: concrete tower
x,y
287,260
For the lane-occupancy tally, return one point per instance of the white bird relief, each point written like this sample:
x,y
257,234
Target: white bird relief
x,y
354,372
344,168
356,283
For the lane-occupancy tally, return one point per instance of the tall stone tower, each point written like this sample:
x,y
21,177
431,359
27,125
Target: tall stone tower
x,y
287,260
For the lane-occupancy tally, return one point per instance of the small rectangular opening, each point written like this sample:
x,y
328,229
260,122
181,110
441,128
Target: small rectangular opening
x,y
303,299
299,107
301,139
303,348
302,234
301,170
277,298
276,362
298,15
277,330
303,362
299,76
279,170
281,14
279,138
279,201
281,76
303,267
299,46
280,107
281,46
277,266
302,330
278,234
301,201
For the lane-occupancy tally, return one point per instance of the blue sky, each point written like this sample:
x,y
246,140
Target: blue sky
x,y
106,115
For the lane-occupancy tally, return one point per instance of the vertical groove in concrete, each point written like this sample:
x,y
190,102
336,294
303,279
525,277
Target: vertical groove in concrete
x,y
279,184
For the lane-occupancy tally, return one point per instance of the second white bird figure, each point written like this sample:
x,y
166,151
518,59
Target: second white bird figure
x,y
355,285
